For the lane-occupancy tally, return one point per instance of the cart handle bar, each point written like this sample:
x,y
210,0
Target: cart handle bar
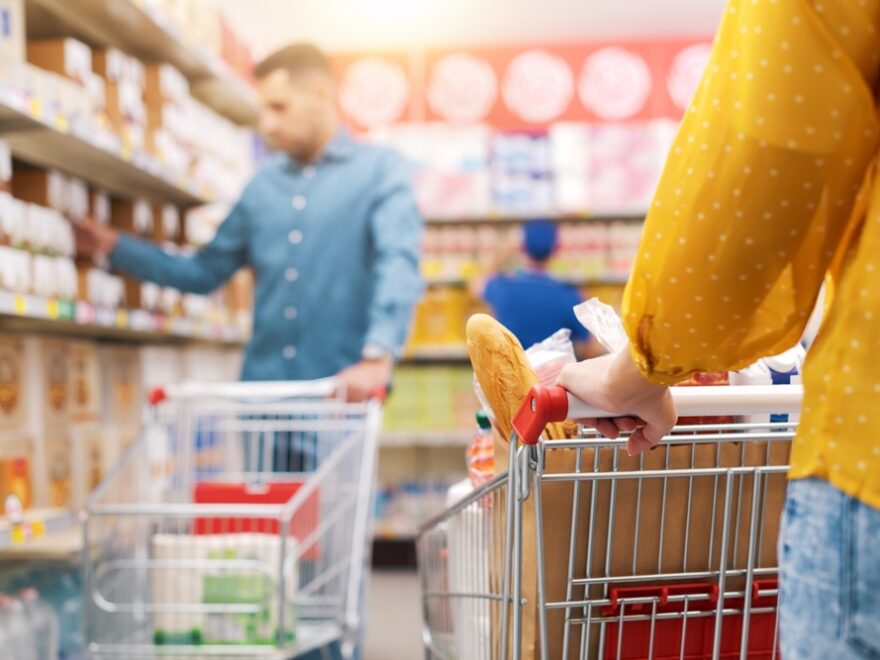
x,y
253,390
544,405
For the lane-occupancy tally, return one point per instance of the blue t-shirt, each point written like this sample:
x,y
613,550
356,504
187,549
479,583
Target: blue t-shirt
x,y
534,305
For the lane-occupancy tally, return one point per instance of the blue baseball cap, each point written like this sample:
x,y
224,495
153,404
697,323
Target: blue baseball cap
x,y
539,239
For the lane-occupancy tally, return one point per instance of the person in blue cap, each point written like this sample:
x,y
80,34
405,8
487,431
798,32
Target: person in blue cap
x,y
530,302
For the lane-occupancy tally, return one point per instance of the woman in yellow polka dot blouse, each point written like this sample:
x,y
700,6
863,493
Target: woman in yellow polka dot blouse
x,y
771,184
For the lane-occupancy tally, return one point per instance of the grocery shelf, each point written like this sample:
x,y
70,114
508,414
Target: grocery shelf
x,y
100,159
37,524
442,353
453,439
574,281
139,29
519,219
60,545
35,314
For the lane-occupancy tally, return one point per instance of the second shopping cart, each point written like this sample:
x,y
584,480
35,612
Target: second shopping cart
x,y
202,547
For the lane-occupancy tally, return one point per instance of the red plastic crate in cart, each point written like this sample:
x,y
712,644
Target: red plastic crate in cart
x,y
302,525
691,638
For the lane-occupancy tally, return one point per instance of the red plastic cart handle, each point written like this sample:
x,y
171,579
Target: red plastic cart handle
x,y
542,406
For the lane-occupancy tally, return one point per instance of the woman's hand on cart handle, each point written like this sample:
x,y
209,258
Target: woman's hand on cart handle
x,y
614,383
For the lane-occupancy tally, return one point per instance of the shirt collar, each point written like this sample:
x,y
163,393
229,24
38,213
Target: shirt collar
x,y
340,148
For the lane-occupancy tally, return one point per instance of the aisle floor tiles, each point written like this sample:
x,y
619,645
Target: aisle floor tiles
x,y
394,620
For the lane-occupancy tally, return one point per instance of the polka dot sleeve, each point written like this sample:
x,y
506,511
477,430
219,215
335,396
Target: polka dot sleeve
x,y
759,187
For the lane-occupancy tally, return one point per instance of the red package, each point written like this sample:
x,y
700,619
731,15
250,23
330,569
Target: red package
x,y
302,525
719,378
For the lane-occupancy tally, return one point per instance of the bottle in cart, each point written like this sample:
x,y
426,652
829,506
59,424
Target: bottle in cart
x,y
43,623
480,452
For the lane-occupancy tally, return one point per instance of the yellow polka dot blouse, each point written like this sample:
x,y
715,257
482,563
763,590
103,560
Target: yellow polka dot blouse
x,y
769,186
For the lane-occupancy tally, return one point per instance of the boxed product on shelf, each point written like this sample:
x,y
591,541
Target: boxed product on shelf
x,y
122,397
67,57
134,216
98,287
54,379
124,79
89,461
58,477
12,36
166,224
164,84
100,207
85,381
16,471
40,186
12,384
15,270
5,166
76,199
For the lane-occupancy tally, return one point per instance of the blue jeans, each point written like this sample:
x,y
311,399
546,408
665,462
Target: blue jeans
x,y
829,553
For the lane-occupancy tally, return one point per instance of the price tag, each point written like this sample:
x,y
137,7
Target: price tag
x,y
121,319
85,313
18,534
66,309
36,108
62,123
19,304
38,529
53,309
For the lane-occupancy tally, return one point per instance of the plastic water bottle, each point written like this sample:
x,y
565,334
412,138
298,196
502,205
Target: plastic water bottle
x,y
43,622
21,640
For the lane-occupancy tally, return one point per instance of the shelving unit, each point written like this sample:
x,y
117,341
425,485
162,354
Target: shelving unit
x,y
148,35
37,523
518,220
574,281
34,314
456,439
52,142
438,355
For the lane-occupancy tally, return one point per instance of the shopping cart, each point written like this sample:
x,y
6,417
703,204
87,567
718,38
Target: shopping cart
x,y
580,551
204,543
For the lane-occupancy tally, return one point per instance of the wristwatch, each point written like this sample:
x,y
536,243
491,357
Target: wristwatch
x,y
375,353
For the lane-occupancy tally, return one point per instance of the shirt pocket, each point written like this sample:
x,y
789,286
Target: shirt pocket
x,y
863,581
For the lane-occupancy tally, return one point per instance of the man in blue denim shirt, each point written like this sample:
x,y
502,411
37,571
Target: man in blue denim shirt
x,y
330,229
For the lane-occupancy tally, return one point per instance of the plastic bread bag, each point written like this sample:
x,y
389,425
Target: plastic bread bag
x,y
551,355
603,323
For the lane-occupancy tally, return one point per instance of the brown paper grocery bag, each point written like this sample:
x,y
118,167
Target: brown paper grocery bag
x,y
689,541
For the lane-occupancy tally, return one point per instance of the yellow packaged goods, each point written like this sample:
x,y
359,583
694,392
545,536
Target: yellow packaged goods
x,y
15,479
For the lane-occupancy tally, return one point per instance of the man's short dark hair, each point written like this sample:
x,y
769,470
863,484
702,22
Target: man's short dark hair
x,y
296,59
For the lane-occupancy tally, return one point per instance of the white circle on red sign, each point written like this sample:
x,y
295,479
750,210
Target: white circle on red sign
x,y
374,92
463,88
686,72
538,86
615,83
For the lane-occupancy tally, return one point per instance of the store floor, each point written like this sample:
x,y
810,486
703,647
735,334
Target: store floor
x,y
395,616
